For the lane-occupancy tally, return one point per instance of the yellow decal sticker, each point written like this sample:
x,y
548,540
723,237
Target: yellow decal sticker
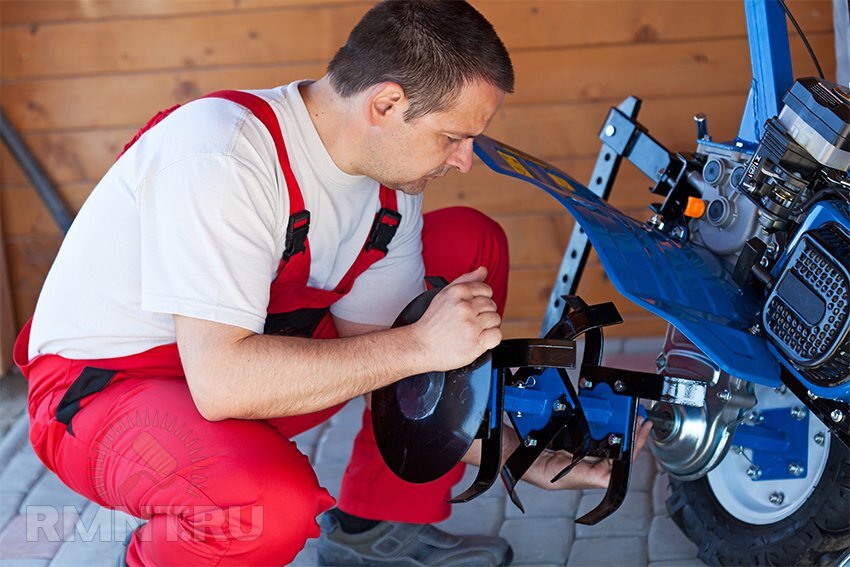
x,y
515,164
560,181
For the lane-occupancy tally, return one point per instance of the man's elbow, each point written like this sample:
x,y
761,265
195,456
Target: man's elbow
x,y
212,400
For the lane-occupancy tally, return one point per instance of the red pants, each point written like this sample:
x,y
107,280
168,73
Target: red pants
x,y
234,492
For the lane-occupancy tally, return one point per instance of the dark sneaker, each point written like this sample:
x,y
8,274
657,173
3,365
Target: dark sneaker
x,y
408,545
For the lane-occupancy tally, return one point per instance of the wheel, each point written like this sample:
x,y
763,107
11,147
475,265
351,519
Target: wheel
x,y
736,521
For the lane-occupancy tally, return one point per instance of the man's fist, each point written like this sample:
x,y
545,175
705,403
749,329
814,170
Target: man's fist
x,y
460,324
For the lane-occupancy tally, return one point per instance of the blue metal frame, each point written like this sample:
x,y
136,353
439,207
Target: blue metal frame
x,y
685,286
770,56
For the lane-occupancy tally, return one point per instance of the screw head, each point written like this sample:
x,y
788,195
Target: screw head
x,y
754,472
796,469
585,383
737,449
755,330
799,413
559,406
661,361
820,438
530,442
777,498
678,233
610,130
614,439
724,395
781,389
619,386
754,417
837,416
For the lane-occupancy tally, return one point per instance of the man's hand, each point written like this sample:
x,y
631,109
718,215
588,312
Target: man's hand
x,y
460,324
590,473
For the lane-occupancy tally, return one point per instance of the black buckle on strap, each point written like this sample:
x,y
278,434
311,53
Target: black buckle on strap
x,y
383,229
296,234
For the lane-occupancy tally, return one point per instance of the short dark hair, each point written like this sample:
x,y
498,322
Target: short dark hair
x,y
429,47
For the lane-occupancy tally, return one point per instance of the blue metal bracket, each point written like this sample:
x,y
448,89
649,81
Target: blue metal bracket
x,y
770,56
778,441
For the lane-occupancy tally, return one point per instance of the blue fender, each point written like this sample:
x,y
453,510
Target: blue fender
x,y
681,283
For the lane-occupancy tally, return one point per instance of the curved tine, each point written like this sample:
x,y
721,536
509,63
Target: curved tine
x,y
614,496
577,458
510,485
491,450
618,486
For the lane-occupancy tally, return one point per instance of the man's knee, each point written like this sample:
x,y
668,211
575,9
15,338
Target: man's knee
x,y
276,513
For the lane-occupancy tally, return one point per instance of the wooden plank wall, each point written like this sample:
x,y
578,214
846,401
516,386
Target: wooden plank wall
x,y
79,76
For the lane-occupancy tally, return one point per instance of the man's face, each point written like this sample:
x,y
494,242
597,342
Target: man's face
x,y
406,155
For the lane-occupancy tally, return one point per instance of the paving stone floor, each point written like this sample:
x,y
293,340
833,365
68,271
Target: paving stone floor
x,y
43,523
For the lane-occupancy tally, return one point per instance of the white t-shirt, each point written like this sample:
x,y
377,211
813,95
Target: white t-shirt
x,y
192,221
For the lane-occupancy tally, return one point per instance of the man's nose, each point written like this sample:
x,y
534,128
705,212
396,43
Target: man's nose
x,y
461,158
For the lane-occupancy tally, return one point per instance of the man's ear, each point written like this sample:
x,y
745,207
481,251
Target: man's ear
x,y
386,101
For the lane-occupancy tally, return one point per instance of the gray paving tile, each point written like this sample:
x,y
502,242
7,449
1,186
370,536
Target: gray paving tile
x,y
22,471
38,535
643,472
49,491
495,491
335,443
539,540
608,552
541,503
330,476
10,501
307,558
482,516
660,493
350,415
91,553
666,541
631,519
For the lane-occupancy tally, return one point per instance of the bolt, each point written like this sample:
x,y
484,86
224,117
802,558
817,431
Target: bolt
x,y
619,386
585,383
724,395
777,498
614,439
754,417
610,130
661,361
812,395
820,438
678,233
798,413
837,416
519,414
530,442
796,469
754,472
559,406
755,330
654,220
764,262
737,449
781,389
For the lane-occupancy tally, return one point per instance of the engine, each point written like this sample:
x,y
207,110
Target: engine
x,y
778,214
757,216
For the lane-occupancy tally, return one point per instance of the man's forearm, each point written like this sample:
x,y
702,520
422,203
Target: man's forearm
x,y
266,376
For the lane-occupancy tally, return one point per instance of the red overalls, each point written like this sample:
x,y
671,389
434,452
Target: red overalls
x,y
125,432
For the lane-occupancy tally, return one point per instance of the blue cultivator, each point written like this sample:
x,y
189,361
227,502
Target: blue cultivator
x,y
746,257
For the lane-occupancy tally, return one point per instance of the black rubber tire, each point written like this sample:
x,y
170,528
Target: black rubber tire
x,y
813,535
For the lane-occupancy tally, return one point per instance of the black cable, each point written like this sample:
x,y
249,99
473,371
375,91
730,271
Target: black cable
x,y
803,37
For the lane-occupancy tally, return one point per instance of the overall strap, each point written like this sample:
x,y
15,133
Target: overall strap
x,y
384,227
296,245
